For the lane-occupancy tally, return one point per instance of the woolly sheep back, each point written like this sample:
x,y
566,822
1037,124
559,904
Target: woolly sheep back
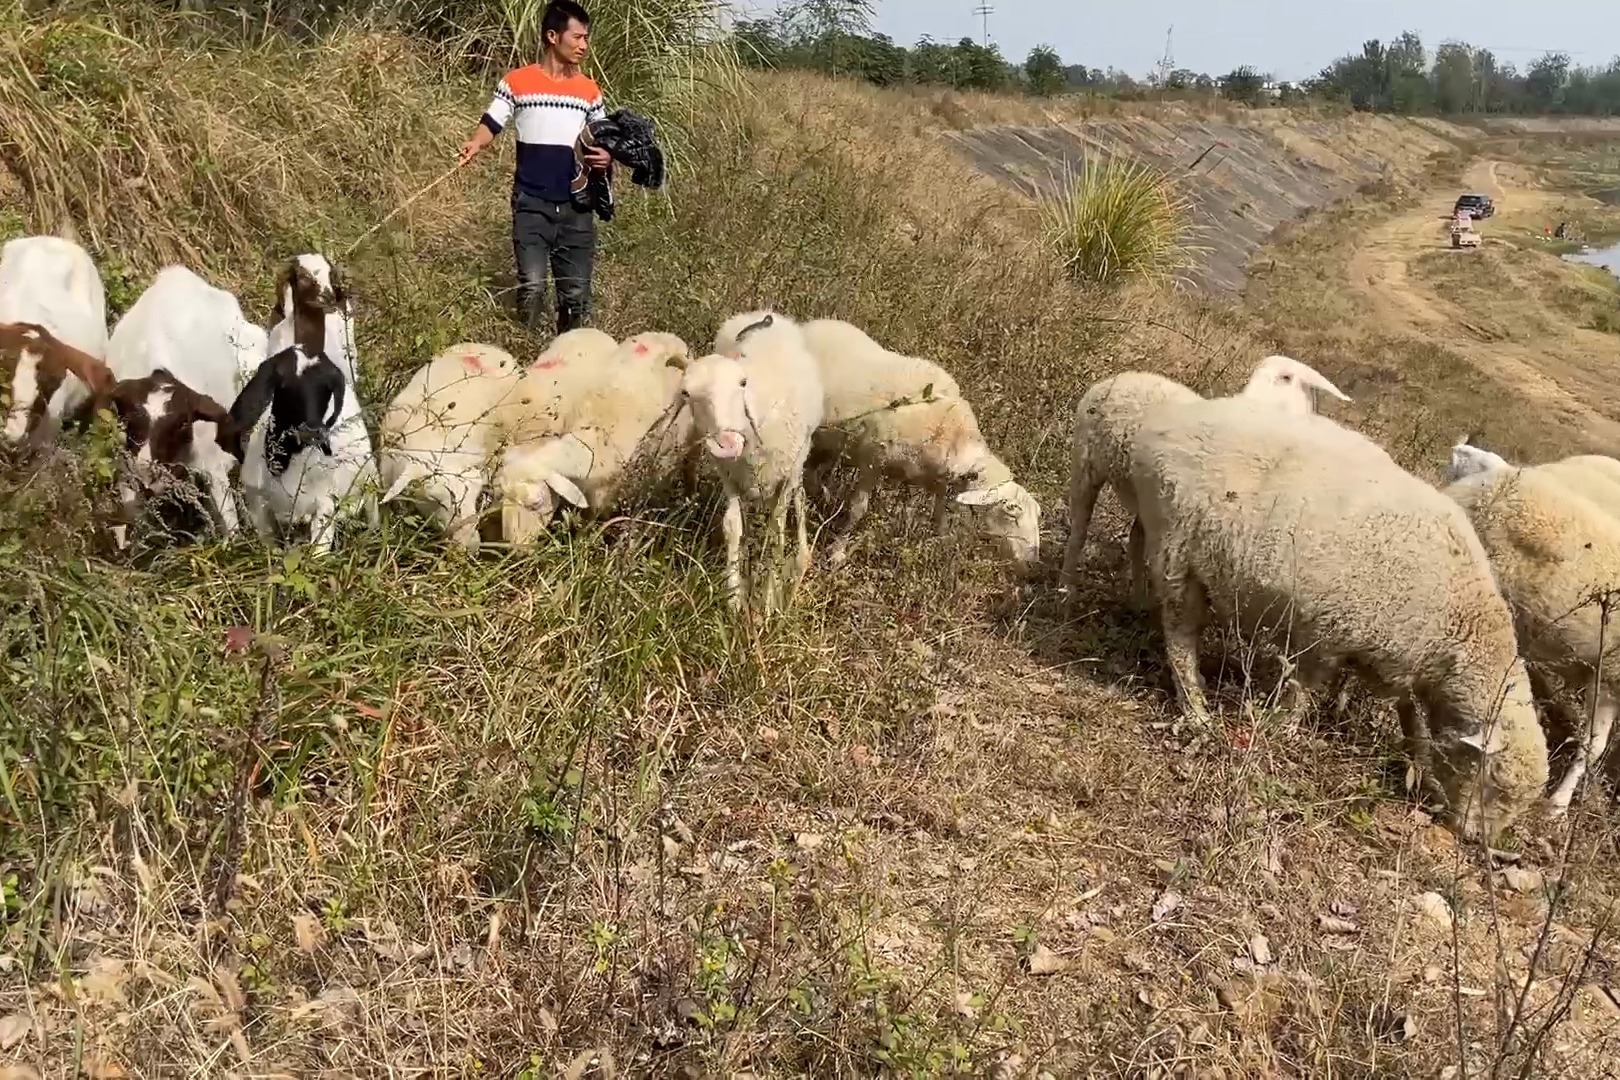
x,y
1308,532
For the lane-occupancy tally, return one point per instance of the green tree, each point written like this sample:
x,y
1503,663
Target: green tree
x,y
1454,78
1044,70
1544,83
1243,84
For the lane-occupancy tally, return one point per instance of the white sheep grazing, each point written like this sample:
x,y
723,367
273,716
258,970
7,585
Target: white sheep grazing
x,y
1106,419
49,281
625,420
307,456
1555,549
756,413
437,432
1310,534
313,310
904,418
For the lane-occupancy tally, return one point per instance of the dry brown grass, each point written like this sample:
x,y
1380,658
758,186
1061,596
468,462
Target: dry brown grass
x,y
506,814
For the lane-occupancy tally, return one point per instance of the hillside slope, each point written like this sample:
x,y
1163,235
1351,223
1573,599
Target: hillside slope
x,y
547,813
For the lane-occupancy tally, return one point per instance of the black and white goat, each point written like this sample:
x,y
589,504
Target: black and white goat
x,y
306,456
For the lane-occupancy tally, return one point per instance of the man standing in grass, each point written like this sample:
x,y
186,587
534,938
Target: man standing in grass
x,y
549,102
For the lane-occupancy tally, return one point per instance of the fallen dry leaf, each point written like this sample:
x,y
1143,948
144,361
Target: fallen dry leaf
x,y
238,639
1433,906
1521,880
1331,925
102,1068
1043,961
1166,905
17,1072
14,1029
548,1021
105,981
1260,949
307,932
965,1008
808,840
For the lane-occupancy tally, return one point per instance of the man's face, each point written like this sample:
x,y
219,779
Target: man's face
x,y
572,44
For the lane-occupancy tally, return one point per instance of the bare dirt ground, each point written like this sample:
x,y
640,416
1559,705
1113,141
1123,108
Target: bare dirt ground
x,y
1566,370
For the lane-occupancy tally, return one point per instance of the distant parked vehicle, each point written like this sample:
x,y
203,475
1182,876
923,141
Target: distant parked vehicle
x,y
1477,205
1462,230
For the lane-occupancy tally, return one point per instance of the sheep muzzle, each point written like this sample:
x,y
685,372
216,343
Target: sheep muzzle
x,y
726,445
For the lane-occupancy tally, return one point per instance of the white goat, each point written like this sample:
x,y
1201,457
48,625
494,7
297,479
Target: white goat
x,y
51,282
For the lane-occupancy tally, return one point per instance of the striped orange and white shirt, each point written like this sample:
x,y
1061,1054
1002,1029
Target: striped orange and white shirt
x,y
548,113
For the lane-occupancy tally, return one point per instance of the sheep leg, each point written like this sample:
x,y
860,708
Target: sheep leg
x,y
1135,556
860,501
778,538
1591,740
1183,608
942,510
1083,489
1415,734
801,561
731,527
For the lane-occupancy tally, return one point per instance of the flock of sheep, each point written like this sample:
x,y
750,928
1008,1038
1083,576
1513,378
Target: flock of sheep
x,y
1477,601
1471,602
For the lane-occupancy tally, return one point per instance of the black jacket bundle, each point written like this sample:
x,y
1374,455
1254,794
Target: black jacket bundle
x,y
628,139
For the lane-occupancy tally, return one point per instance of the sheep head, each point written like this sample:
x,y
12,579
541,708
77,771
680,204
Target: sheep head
x,y
1286,384
1010,516
1467,459
715,388
533,490
729,338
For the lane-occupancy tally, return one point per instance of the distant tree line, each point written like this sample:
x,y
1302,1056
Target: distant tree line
x,y
1459,79
835,37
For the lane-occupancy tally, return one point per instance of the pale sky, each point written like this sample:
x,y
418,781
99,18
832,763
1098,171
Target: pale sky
x,y
1291,39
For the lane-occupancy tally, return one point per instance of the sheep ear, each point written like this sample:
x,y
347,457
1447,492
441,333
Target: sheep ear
x,y
978,497
676,362
1467,460
566,488
1478,741
1309,376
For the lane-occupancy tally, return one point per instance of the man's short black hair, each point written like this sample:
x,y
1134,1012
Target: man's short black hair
x,y
557,15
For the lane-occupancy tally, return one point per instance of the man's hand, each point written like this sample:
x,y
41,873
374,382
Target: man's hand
x,y
597,158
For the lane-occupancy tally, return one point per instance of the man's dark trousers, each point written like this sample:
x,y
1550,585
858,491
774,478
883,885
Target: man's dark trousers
x,y
555,236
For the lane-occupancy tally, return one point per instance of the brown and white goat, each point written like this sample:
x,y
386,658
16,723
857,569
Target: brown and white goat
x,y
39,363
49,281
313,311
173,433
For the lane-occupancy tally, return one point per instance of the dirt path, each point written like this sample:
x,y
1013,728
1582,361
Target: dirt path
x,y
1567,371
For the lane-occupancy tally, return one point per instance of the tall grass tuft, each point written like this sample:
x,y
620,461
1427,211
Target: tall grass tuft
x,y
1116,220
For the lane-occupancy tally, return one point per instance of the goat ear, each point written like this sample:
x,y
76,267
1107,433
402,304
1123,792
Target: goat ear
x,y
566,488
278,311
334,385
340,288
255,397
